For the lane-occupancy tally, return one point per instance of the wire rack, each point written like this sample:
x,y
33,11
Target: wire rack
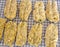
x,y
30,22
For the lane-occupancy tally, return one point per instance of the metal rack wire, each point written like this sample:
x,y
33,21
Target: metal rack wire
x,y
30,22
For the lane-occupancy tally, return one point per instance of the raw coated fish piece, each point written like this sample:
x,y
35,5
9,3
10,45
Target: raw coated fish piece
x,y
25,9
10,33
35,35
10,9
21,34
51,36
39,12
52,13
2,25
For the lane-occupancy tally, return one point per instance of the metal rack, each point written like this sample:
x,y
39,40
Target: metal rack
x,y
30,22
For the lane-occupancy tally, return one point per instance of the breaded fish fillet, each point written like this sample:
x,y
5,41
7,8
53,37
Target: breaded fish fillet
x,y
10,9
35,35
39,12
25,9
21,34
10,33
51,35
2,25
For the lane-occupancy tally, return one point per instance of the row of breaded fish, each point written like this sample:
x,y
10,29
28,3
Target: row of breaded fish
x,y
13,32
39,13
